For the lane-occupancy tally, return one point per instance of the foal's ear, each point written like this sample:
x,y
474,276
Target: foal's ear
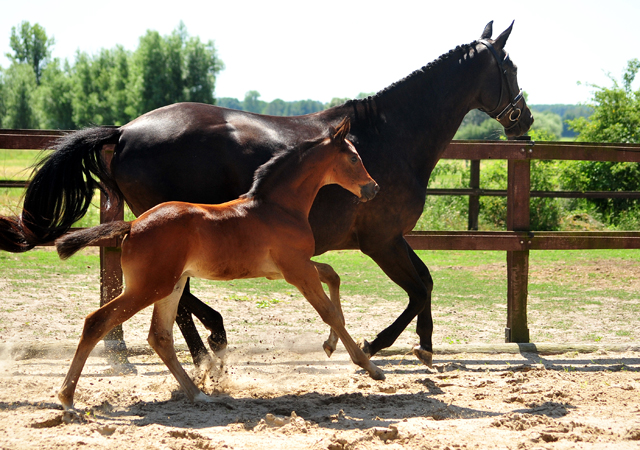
x,y
502,39
339,134
488,31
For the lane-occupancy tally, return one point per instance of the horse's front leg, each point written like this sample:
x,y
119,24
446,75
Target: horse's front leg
x,y
395,259
332,280
304,276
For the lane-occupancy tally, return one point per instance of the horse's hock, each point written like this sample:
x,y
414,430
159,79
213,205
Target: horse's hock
x,y
517,241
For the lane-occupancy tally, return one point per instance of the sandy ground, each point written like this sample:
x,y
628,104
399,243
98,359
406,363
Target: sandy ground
x,y
276,389
289,399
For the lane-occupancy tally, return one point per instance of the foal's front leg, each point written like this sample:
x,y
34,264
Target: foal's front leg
x,y
329,277
304,276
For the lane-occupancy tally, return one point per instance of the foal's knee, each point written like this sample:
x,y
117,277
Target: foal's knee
x,y
159,340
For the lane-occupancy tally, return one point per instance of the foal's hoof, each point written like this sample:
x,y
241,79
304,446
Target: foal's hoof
x,y
328,348
365,347
376,373
423,355
218,345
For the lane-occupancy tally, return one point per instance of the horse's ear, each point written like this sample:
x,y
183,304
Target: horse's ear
x,y
488,31
502,39
339,134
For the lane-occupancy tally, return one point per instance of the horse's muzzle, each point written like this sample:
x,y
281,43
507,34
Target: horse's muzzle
x,y
368,191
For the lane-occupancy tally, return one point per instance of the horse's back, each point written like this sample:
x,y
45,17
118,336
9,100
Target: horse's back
x,y
198,153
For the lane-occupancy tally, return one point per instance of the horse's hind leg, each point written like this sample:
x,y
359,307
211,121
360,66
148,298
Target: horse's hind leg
x,y
210,318
161,339
332,280
202,360
96,326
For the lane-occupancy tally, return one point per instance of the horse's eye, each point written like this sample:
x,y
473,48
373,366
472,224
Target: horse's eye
x,y
354,159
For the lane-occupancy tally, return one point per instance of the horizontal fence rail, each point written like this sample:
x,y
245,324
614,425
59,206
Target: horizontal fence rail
x,y
517,241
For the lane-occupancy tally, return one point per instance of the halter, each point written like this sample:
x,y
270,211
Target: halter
x,y
511,114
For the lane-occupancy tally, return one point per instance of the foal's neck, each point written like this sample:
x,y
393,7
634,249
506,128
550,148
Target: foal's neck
x,y
296,191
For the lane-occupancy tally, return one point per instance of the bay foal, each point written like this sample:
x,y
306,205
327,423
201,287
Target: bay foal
x,y
264,233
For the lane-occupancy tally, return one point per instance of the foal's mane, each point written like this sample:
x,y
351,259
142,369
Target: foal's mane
x,y
273,170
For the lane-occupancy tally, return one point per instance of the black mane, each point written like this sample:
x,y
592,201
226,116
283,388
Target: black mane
x,y
271,171
425,70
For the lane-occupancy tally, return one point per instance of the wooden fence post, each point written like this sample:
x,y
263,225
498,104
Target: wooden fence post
x,y
518,196
110,269
474,199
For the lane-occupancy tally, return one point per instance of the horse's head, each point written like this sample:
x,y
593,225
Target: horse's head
x,y
348,171
501,97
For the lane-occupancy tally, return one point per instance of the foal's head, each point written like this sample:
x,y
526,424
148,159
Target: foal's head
x,y
348,171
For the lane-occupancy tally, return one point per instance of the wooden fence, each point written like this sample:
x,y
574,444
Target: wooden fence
x,y
517,241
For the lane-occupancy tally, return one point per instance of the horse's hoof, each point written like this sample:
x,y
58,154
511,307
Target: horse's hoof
x,y
423,355
203,368
328,348
365,347
218,345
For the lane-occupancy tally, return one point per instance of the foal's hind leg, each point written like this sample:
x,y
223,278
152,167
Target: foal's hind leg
x,y
96,326
332,279
161,339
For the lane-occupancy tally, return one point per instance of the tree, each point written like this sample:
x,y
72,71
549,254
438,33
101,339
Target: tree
x,y
615,118
549,123
616,111
174,68
19,86
252,102
55,97
30,45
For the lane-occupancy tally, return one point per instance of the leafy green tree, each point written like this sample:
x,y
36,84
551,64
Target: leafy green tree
x,y
2,97
252,102
202,67
19,86
277,107
55,97
30,45
615,118
336,101
549,123
229,102
616,111
174,68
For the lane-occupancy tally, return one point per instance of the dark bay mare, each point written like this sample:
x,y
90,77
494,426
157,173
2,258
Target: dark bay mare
x,y
206,154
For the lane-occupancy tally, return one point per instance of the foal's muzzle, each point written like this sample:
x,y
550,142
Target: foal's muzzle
x,y
368,191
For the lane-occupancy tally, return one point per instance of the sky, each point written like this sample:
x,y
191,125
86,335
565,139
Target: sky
x,y
297,50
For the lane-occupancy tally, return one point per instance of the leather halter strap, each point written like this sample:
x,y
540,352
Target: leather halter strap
x,y
511,114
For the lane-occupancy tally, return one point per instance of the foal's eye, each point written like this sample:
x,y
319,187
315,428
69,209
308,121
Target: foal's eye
x,y
354,159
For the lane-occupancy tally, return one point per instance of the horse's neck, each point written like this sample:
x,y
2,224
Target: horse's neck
x,y
423,111
296,191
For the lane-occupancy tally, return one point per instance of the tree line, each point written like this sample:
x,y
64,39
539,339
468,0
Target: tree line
x,y
110,87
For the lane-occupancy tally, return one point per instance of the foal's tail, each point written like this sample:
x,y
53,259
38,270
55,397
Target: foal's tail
x,y
71,243
61,190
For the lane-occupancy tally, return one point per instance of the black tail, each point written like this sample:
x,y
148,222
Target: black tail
x,y
61,190
71,243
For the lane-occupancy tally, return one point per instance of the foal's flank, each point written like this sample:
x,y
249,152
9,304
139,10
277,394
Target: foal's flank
x,y
264,233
